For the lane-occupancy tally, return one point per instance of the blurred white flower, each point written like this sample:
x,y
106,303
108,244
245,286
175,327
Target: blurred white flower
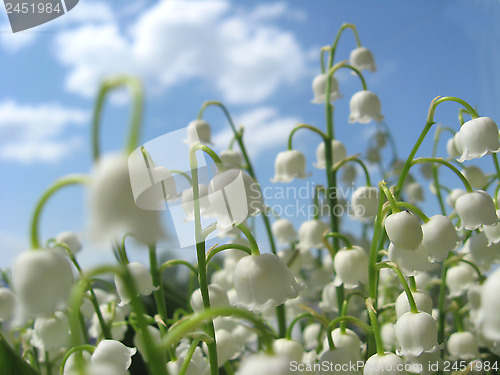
x,y
319,89
338,153
199,131
284,231
351,266
289,164
476,209
361,58
365,107
143,282
311,234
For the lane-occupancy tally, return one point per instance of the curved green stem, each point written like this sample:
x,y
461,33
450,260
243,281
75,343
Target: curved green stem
x,y
76,349
447,164
375,327
372,260
336,67
309,127
355,159
198,146
229,246
135,88
189,356
56,186
251,239
337,38
406,287
351,319
346,240
183,174
415,210
382,185
322,57
295,321
176,262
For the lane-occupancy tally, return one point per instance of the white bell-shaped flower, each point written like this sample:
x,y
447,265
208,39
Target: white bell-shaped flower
x,y
264,280
404,230
7,304
459,278
365,107
349,174
373,155
114,354
142,279
311,234
476,209
361,58
475,176
71,239
51,333
338,153
289,164
351,266
341,360
329,300
387,364
451,199
218,298
139,343
462,345
198,131
416,333
231,159
187,202
414,191
426,170
364,202
311,335
440,237
348,340
284,231
197,366
319,89
490,306
233,256
411,262
42,280
234,196
71,365
493,232
227,346
478,137
481,253
112,314
113,210
289,348
265,364
422,300
425,363
452,149
388,336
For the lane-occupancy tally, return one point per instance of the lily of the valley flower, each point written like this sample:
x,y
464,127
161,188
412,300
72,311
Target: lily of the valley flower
x,y
7,304
440,237
319,89
404,230
387,364
264,281
350,266
422,300
231,159
51,333
113,354
416,333
289,165
234,196
475,176
364,202
462,345
218,298
338,153
490,306
199,131
142,279
365,107
311,234
284,231
362,59
478,137
476,209
187,202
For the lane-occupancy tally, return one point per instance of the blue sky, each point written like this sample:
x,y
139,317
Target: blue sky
x,y
258,57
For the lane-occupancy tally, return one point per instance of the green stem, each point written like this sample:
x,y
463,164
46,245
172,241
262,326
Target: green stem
x,y
337,38
415,210
351,319
413,284
353,158
299,317
406,287
230,246
372,260
497,167
336,67
183,174
375,327
322,57
189,356
251,239
447,164
382,185
176,262
76,349
309,127
135,88
56,186
340,236
159,294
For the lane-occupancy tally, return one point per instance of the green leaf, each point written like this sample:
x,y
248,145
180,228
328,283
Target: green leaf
x,y
11,363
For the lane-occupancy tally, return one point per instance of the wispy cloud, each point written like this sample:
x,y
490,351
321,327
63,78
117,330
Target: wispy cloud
x,y
242,57
37,133
265,129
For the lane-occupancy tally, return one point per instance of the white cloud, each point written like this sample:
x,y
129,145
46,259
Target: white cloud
x,y
174,40
13,42
36,133
265,130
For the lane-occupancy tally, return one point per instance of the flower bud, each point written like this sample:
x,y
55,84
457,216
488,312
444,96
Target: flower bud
x,y
319,89
414,191
351,266
155,335
422,300
404,230
289,165
142,279
361,58
198,131
440,237
416,333
42,280
476,209
311,234
264,280
234,196
338,153
475,176
478,137
347,340
284,231
365,107
348,174
459,278
329,300
364,202
388,336
71,240
462,345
